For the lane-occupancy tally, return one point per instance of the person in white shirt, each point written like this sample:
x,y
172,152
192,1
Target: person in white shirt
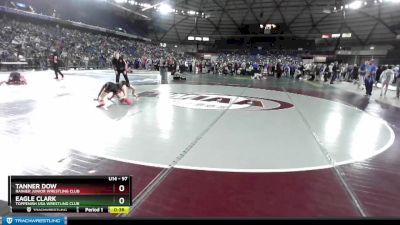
x,y
387,77
148,64
257,76
287,70
343,69
297,73
322,71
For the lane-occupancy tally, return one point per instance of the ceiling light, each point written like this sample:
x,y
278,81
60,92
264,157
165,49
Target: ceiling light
x,y
326,11
355,5
326,36
346,35
165,9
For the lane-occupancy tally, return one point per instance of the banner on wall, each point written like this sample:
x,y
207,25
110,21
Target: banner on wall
x,y
308,61
319,59
207,56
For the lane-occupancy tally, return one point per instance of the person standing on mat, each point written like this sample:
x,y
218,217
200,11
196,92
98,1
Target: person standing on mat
x,y
369,83
56,67
386,77
335,72
114,61
122,67
362,71
372,68
329,73
354,74
278,69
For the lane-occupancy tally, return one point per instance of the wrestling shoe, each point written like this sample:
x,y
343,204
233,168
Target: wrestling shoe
x,y
101,104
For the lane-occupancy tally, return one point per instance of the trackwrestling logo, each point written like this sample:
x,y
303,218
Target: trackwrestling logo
x,y
218,102
33,220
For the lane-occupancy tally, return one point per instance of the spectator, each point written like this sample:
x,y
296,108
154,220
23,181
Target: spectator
x,y
387,77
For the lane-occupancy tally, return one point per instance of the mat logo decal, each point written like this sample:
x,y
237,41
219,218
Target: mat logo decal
x,y
220,102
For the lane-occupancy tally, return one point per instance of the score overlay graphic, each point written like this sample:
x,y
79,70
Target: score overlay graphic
x,y
75,194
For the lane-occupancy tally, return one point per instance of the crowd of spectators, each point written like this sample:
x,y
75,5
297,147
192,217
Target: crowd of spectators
x,y
34,44
249,63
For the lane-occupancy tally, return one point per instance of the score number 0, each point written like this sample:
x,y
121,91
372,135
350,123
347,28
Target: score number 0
x,y
121,188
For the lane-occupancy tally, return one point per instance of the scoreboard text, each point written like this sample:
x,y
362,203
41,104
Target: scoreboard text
x,y
77,194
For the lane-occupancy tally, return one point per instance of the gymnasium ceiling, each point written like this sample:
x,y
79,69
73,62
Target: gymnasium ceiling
x,y
375,22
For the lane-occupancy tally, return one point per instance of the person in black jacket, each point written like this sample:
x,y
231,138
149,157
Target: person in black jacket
x,y
378,75
122,67
56,65
335,72
354,75
369,84
114,61
279,69
301,68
